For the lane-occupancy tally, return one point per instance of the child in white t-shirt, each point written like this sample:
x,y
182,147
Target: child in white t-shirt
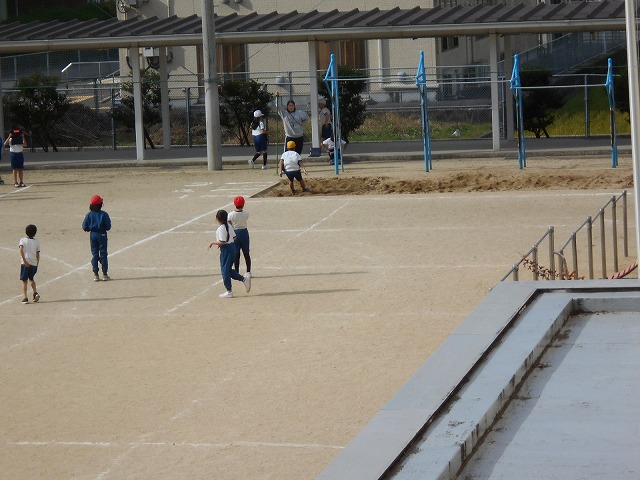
x,y
30,258
330,146
225,236
292,165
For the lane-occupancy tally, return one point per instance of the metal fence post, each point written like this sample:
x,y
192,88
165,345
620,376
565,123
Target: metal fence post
x,y
188,115
614,233
603,247
552,260
574,254
625,234
113,120
96,99
534,259
590,246
587,127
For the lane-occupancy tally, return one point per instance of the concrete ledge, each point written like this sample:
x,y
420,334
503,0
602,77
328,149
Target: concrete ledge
x,y
440,415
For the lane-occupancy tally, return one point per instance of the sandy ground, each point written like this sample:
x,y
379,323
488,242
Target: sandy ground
x,y
152,376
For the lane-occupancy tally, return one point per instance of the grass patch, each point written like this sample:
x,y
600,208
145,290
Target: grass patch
x,y
570,119
394,126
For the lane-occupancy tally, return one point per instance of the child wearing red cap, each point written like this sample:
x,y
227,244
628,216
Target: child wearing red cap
x,y
98,223
238,220
225,241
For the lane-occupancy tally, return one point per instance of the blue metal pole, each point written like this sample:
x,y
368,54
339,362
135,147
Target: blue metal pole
x,y
331,81
421,83
516,88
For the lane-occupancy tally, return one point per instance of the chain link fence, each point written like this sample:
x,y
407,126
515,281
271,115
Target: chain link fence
x,y
459,107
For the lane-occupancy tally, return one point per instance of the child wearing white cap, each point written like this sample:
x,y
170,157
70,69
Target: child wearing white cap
x,y
260,139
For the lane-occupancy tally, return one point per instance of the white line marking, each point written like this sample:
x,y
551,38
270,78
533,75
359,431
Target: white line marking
x,y
195,297
136,244
323,220
240,443
13,192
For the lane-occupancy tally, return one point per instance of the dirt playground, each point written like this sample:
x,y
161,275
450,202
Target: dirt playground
x,y
152,376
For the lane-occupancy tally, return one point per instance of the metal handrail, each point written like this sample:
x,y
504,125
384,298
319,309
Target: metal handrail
x,y
563,272
534,250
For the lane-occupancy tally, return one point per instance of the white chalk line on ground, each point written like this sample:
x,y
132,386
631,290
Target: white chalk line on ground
x,y
16,191
195,297
323,220
203,292
255,358
124,249
131,446
527,226
71,443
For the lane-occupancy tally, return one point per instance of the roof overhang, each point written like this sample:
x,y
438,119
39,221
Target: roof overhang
x,y
291,27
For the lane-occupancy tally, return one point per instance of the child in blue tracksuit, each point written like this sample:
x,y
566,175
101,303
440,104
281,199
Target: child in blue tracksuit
x,y
238,220
225,241
98,223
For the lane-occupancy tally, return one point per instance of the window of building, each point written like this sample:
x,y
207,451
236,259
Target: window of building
x,y
447,43
231,61
352,53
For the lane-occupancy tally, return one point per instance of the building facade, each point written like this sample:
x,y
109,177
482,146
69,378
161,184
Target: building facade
x,y
384,58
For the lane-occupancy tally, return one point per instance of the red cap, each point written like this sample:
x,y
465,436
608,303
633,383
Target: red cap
x,y
238,201
96,200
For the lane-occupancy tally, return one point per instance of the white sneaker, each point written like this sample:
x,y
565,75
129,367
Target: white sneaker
x,y
227,294
106,277
265,167
248,274
247,283
252,163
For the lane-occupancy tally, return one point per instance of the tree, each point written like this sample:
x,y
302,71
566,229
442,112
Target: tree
x,y
238,100
538,104
124,112
38,106
352,106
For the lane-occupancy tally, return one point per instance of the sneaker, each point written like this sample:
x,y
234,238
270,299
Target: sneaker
x,y
16,185
265,167
36,297
106,277
305,189
293,192
22,185
227,294
1,181
247,283
96,278
252,163
25,300
248,274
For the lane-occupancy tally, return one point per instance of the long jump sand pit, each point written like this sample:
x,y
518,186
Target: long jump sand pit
x,y
152,376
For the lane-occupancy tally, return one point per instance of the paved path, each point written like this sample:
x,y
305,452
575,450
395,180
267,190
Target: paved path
x,y
363,151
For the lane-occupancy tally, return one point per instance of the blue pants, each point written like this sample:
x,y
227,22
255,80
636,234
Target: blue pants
x,y
227,257
242,244
99,253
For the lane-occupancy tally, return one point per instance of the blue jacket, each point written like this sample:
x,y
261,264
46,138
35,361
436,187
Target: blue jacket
x,y
96,222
